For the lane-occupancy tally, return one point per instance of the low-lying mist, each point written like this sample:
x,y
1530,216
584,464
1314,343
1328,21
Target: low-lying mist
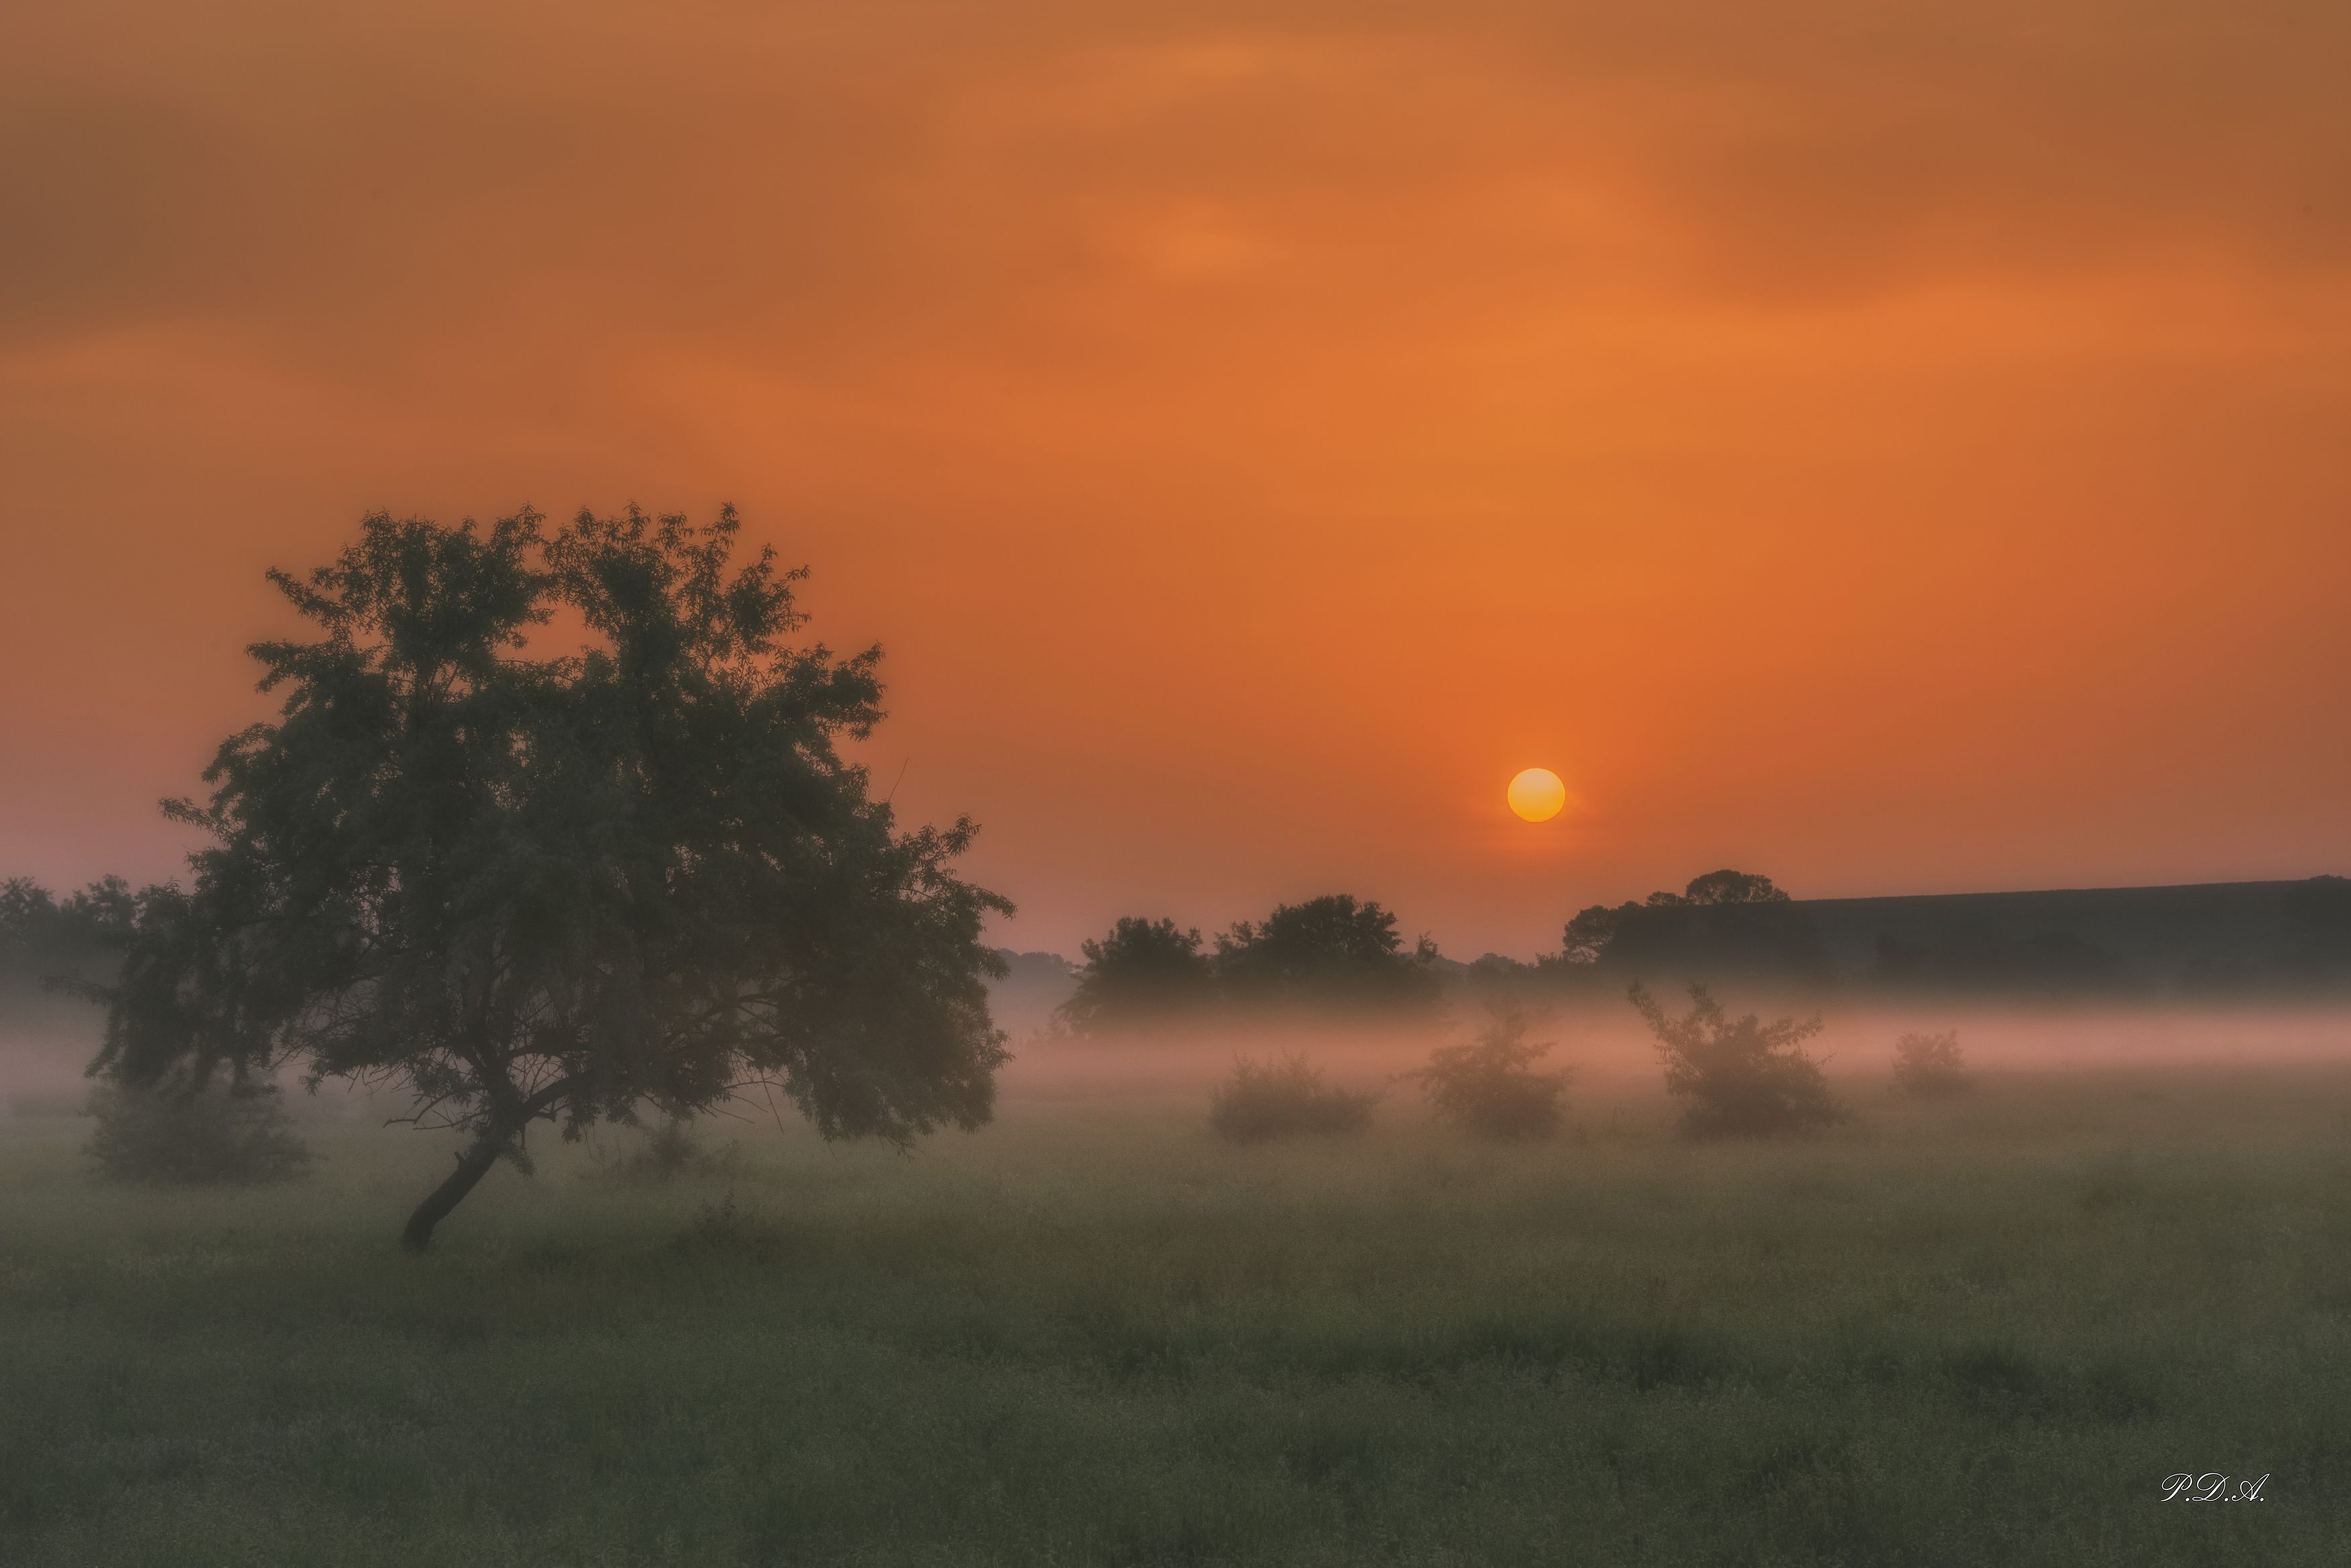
x,y
47,1044
1609,1049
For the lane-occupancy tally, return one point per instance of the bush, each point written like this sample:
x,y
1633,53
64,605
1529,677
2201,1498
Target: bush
x,y
220,1133
1487,1086
1930,1066
1285,1098
1743,1078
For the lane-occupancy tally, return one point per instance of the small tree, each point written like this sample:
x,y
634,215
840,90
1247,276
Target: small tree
x,y
1143,969
1742,1077
558,887
174,1134
1930,1066
1488,1087
1285,1098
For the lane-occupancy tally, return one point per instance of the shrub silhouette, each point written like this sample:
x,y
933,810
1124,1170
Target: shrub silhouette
x,y
228,1134
1741,1078
1930,1066
1283,1098
1487,1086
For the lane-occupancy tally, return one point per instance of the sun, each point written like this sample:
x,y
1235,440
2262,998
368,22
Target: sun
x,y
1537,795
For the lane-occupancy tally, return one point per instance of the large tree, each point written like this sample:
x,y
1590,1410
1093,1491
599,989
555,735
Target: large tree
x,y
554,826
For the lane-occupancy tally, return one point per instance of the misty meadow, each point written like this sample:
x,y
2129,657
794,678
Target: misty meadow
x,y
1175,785
1294,1243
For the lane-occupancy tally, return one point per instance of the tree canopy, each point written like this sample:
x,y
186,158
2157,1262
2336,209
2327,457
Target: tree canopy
x,y
1332,950
1592,930
564,885
1141,970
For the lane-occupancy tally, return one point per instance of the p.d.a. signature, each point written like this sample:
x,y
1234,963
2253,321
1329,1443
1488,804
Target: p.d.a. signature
x,y
2210,1487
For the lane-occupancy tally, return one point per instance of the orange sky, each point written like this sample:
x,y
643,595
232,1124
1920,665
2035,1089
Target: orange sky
x,y
1893,448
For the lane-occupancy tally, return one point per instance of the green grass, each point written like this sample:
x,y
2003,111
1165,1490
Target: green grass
x,y
1975,1333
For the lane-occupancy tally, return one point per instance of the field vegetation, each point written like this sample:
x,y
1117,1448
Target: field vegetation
x,y
1489,1085
1977,1331
1930,1066
216,1132
1284,1098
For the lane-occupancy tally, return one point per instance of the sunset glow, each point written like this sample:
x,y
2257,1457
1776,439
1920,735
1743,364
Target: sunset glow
x,y
1314,782
1893,465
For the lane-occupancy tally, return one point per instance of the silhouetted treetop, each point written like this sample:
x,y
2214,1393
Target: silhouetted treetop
x,y
1331,949
1733,887
1593,930
1143,969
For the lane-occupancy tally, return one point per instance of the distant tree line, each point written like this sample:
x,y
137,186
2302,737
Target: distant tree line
x,y
1330,952
1597,929
2210,941
1725,923
1739,927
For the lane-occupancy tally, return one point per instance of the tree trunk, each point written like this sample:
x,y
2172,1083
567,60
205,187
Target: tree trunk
x,y
471,1166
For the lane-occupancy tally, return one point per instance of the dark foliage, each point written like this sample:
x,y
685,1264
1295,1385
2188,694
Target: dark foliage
x,y
1731,888
1738,1078
1488,1087
2319,912
1591,932
1329,951
636,874
33,918
1144,970
2044,963
67,946
1283,1098
178,1135
1930,1066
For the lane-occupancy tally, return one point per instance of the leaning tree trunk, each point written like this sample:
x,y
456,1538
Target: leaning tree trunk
x,y
471,1166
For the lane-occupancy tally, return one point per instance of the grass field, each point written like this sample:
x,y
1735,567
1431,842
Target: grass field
x,y
1976,1333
